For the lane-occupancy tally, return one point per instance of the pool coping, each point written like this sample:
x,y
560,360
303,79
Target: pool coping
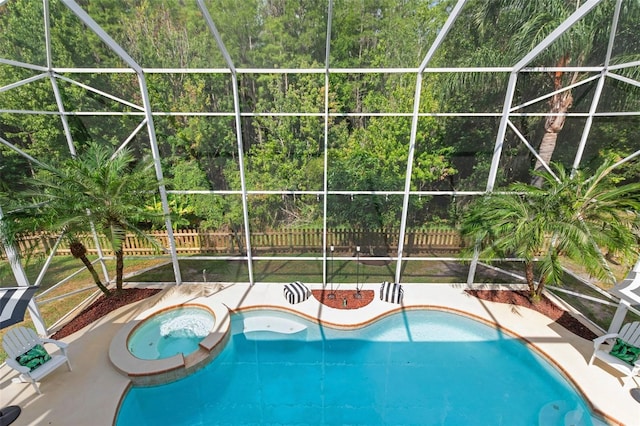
x,y
145,372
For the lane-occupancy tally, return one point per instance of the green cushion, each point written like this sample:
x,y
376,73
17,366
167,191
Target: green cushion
x,y
625,351
34,357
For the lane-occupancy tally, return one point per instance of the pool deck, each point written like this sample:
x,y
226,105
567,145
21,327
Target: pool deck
x,y
90,394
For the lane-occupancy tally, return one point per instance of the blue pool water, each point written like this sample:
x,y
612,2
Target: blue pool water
x,y
169,333
413,368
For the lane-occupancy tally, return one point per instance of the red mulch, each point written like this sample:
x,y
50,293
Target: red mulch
x,y
341,296
545,307
101,307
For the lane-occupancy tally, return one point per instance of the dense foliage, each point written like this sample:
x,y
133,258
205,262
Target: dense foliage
x,y
284,152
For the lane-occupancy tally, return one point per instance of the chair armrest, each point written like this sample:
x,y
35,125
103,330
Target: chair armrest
x,y
600,340
62,345
58,343
14,364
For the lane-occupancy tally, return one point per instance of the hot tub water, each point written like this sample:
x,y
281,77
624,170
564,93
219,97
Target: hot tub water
x,y
171,332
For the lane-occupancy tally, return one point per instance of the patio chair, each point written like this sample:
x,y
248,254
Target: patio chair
x,y
26,354
620,350
296,292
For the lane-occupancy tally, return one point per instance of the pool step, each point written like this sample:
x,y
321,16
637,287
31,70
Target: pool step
x,y
560,413
273,324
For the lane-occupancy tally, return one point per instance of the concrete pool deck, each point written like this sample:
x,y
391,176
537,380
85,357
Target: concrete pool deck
x,y
91,393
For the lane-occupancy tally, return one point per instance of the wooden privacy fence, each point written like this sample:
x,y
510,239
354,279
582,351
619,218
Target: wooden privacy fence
x,y
190,241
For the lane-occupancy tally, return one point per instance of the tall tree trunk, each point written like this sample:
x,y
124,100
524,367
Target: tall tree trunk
x,y
95,276
528,273
238,240
560,103
79,251
539,289
119,269
553,125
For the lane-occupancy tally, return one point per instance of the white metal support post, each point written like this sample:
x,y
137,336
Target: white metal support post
x,y
325,167
21,279
502,130
65,125
407,181
155,152
144,92
495,161
599,86
238,116
414,130
52,80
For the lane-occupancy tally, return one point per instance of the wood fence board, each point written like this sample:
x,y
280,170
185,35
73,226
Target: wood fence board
x,y
279,241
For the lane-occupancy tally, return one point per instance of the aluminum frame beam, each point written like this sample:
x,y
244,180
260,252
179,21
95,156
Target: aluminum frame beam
x,y
325,162
144,92
556,33
237,113
414,129
22,280
598,92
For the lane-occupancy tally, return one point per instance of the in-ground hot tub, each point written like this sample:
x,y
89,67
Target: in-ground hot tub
x,y
167,343
171,332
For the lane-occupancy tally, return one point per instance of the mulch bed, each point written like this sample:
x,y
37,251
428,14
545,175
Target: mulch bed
x,y
341,295
545,307
101,307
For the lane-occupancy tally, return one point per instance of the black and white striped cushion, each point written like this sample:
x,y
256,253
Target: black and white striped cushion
x,y
296,292
391,292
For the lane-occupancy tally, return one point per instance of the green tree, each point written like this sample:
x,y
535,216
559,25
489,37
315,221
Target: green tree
x,y
31,218
42,135
574,217
502,32
97,189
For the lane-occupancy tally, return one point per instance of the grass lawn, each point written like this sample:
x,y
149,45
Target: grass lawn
x,y
338,271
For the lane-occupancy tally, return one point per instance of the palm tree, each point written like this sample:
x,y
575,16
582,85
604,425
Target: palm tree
x,y
507,30
28,218
97,190
573,217
79,251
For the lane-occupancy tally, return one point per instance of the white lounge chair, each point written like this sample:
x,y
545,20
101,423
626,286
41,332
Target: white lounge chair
x,y
25,354
603,346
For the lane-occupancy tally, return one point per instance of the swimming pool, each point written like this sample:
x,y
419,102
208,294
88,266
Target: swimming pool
x,y
417,367
171,332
